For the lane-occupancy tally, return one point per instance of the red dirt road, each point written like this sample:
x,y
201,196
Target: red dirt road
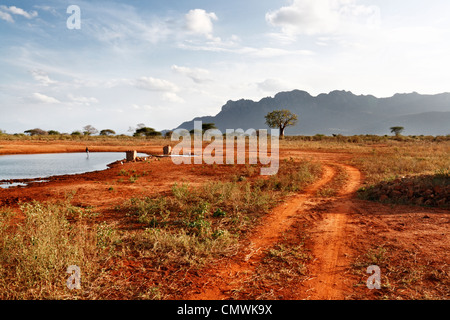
x,y
331,254
222,278
327,280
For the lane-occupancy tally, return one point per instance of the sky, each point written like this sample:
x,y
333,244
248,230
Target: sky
x,y
161,63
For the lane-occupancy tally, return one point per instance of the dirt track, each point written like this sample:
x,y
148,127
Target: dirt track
x,y
328,269
327,280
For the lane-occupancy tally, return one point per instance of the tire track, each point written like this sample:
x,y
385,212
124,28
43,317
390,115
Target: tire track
x,y
328,279
330,262
229,275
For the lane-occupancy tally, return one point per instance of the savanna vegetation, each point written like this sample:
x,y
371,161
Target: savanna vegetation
x,y
165,235
181,230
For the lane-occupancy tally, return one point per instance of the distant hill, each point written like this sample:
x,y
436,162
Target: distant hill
x,y
340,112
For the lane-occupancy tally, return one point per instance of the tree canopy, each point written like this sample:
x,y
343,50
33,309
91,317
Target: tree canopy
x,y
397,130
36,132
107,132
281,119
89,130
146,131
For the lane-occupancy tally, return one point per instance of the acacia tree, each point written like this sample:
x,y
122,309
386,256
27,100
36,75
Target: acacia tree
x,y
36,132
89,130
146,131
107,132
281,119
397,130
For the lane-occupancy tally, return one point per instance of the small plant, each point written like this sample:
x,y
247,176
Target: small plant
x,y
326,192
374,256
153,293
153,212
105,235
219,213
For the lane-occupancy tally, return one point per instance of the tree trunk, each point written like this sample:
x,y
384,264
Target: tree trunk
x,y
281,132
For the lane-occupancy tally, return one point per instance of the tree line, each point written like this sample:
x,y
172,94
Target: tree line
x,y
89,130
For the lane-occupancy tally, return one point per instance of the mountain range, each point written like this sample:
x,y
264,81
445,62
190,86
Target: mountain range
x,y
339,112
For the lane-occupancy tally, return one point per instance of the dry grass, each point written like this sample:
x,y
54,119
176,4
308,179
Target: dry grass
x,y
282,269
234,205
407,277
409,159
179,231
35,253
383,158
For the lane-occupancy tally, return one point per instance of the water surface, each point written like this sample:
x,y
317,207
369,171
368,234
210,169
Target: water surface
x,y
32,166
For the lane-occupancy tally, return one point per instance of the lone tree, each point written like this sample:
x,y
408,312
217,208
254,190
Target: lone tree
x,y
281,119
107,132
36,132
89,130
397,130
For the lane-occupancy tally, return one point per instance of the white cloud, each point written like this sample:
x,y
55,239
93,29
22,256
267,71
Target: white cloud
x,y
312,17
18,11
82,100
273,52
274,85
109,83
153,84
307,16
172,97
252,52
42,77
198,21
48,9
6,16
148,107
42,98
129,31
125,28
197,75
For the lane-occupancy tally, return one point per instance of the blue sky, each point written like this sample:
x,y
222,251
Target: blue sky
x,y
164,62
